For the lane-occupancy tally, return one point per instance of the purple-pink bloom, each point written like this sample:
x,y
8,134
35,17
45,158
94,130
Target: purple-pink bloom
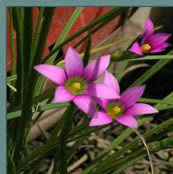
x,y
123,110
149,42
76,82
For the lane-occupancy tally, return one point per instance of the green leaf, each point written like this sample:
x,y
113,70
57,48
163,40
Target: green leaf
x,y
60,165
40,108
36,35
46,23
138,154
158,57
151,135
110,14
160,103
11,78
156,101
97,162
151,72
48,15
87,51
18,22
65,32
120,70
12,66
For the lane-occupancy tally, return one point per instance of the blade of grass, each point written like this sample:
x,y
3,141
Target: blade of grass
x,y
158,57
12,68
154,101
120,70
26,30
40,108
48,16
12,87
147,148
36,36
87,51
60,167
114,144
19,17
65,32
47,149
11,78
50,147
61,38
26,115
130,159
44,107
28,33
121,138
151,72
99,26
151,135
113,13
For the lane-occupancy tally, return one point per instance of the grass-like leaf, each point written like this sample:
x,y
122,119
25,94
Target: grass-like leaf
x,y
110,160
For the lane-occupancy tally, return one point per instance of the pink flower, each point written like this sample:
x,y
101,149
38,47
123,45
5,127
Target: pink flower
x,y
150,42
76,82
122,110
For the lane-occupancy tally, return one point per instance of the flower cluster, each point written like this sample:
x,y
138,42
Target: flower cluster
x,y
123,109
77,83
150,43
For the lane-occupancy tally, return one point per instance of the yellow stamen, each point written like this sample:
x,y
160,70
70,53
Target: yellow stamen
x,y
116,110
76,86
145,48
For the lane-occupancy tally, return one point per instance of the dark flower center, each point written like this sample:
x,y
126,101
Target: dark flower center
x,y
76,85
114,110
145,47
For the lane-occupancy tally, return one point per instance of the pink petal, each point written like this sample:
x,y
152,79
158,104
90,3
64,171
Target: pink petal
x,y
110,80
102,102
73,63
62,95
101,118
160,48
149,27
86,104
131,96
135,48
52,72
140,109
102,91
157,39
127,120
96,68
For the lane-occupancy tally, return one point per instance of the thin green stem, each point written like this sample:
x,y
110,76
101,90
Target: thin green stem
x,y
36,36
60,165
147,148
20,68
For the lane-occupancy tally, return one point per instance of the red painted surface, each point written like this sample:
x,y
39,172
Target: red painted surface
x,y
60,19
